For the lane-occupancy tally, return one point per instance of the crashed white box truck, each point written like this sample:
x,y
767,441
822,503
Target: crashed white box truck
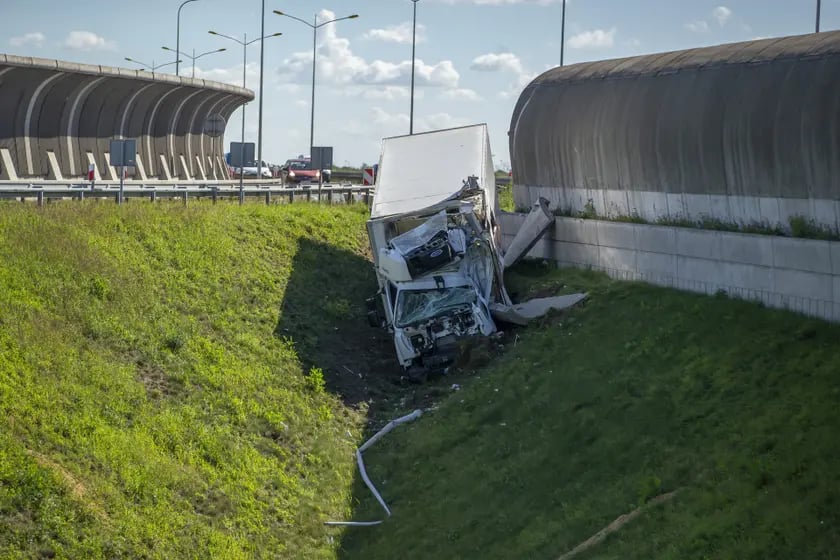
x,y
436,246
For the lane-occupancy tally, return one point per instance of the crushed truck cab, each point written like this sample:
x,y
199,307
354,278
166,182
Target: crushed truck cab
x,y
436,245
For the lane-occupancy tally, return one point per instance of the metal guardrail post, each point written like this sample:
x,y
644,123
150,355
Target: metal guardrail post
x,y
214,196
153,197
291,197
309,196
40,199
267,198
185,198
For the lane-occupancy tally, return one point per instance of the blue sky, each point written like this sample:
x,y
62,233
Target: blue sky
x,y
476,55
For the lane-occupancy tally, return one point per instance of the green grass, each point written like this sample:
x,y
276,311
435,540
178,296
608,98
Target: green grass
x,y
192,382
505,195
158,396
592,412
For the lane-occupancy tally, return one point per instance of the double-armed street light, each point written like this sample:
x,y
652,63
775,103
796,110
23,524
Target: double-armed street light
x,y
244,42
314,25
194,56
152,67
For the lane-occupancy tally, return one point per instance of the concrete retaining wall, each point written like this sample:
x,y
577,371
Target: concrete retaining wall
x,y
798,274
55,117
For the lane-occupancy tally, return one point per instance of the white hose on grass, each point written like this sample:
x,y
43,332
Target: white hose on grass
x,y
376,437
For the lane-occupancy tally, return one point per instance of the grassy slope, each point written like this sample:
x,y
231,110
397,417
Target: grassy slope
x,y
639,392
147,408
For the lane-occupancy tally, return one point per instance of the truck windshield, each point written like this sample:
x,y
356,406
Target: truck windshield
x,y
418,305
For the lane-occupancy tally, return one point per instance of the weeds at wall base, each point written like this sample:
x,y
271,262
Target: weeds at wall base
x,y
798,226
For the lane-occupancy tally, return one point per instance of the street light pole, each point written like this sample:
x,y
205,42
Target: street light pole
x,y
242,142
563,33
259,120
312,102
178,35
818,16
413,47
244,42
315,25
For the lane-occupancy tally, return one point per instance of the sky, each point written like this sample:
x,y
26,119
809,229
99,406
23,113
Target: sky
x,y
474,57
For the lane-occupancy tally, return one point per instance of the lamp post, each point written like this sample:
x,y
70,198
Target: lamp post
x,y
244,42
315,25
152,67
178,35
194,56
563,33
413,45
818,16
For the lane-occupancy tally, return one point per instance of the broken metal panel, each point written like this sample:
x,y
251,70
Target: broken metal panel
x,y
536,224
522,313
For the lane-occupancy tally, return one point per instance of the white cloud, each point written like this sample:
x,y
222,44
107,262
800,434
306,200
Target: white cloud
x,y
87,41
697,26
460,94
301,103
388,93
397,33
36,39
231,75
397,121
516,88
337,64
597,38
722,15
493,62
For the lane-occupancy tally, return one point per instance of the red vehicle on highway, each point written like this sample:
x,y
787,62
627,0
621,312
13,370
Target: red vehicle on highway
x,y
300,170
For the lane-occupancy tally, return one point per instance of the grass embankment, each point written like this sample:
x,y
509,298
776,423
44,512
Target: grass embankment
x,y
156,392
640,392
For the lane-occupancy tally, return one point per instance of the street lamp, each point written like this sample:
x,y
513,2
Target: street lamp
x,y
413,43
151,66
314,27
194,56
178,35
244,42
563,33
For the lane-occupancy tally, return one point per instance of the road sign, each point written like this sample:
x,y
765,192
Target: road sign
x,y
237,157
367,176
124,152
322,157
215,125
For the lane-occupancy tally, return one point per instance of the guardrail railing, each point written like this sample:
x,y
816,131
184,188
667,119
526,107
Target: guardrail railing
x,y
328,194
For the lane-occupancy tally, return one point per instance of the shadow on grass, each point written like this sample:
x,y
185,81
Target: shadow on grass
x,y
324,314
